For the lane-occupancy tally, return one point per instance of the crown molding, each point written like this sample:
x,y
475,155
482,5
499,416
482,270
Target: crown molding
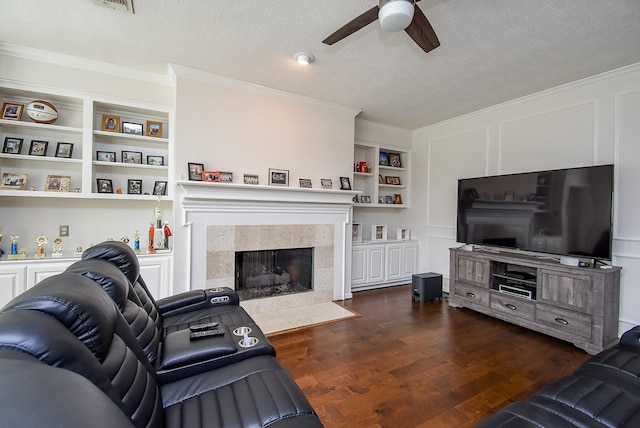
x,y
383,126
618,73
227,82
83,63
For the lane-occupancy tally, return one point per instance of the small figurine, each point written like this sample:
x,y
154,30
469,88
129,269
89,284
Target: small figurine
x,y
125,239
57,247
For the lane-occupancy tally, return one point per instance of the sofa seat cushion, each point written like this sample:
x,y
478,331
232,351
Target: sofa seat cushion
x,y
255,392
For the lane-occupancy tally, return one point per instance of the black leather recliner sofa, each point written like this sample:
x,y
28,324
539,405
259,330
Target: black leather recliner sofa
x,y
81,349
604,392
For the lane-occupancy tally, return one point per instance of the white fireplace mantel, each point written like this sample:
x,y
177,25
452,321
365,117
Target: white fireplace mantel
x,y
252,192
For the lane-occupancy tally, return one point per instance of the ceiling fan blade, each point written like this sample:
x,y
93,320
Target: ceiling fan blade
x,y
421,31
354,25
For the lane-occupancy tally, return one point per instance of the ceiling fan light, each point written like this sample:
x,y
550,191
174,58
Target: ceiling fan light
x,y
395,15
304,58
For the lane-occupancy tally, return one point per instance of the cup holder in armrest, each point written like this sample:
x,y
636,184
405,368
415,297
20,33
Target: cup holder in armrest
x,y
248,342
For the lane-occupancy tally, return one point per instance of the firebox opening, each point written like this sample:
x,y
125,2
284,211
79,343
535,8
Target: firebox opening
x,y
267,273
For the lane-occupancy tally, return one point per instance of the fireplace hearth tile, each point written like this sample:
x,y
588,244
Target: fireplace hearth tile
x,y
220,238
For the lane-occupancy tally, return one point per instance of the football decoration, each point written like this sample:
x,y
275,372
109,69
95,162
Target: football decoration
x,y
41,111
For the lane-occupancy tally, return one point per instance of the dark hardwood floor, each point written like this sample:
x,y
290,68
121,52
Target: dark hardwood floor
x,y
406,364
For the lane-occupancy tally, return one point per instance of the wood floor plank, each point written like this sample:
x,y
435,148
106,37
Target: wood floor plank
x,y
410,364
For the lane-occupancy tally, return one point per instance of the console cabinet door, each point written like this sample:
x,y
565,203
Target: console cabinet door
x,y
375,263
410,260
156,271
394,262
473,271
39,270
12,282
358,266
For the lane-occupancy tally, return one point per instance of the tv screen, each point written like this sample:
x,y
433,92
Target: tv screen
x,y
564,212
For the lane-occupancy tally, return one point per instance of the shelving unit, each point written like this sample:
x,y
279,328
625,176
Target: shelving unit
x,y
386,186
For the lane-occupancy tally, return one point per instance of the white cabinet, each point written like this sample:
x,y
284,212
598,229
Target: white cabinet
x,y
381,264
16,276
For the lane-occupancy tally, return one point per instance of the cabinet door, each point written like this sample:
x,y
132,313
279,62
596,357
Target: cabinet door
x,y
375,263
473,271
156,272
393,271
12,282
358,266
409,260
39,270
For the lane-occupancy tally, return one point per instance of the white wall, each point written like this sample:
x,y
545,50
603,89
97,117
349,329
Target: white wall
x,y
589,122
241,128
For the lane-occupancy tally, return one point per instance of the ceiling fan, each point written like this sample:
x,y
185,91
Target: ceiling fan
x,y
394,15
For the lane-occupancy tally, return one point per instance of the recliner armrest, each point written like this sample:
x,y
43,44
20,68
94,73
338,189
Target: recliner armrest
x,y
631,337
197,299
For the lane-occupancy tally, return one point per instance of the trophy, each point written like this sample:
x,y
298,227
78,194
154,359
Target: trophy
x,y
15,254
41,241
57,248
136,242
159,231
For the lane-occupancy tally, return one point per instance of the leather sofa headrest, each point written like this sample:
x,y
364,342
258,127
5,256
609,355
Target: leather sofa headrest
x,y
77,302
105,273
118,253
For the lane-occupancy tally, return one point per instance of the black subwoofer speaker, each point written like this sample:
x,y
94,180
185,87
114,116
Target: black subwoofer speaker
x,y
426,286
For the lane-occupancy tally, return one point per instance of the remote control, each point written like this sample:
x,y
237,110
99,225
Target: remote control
x,y
196,335
207,326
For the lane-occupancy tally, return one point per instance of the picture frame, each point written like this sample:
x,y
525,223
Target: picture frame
x,y
160,188
305,183
395,181
226,177
104,185
388,199
12,111
58,183
397,198
131,157
12,145
14,181
211,176
509,196
195,171
278,177
383,159
345,183
134,186
103,156
251,179
379,232
326,183
131,128
395,160
356,232
38,148
154,129
380,179
64,150
155,160
110,123
403,234
365,199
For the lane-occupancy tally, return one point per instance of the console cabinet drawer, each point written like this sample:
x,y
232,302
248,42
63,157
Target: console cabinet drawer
x,y
472,294
513,306
567,321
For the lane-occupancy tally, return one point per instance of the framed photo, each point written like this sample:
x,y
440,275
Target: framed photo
x,y
11,181
12,111
195,171
105,156
388,199
509,196
326,183
378,232
403,234
278,177
226,177
251,179
131,157
393,180
394,160
38,148
384,159
211,176
380,179
110,123
305,182
160,188
12,145
104,185
345,183
154,129
64,150
356,232
132,128
134,186
397,198
365,199
155,160
58,183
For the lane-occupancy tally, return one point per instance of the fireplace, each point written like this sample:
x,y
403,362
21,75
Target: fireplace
x,y
273,272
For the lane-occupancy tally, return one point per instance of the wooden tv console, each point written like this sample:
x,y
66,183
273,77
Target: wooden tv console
x,y
576,304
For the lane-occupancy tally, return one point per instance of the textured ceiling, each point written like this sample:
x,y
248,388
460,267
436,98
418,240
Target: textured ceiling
x,y
491,50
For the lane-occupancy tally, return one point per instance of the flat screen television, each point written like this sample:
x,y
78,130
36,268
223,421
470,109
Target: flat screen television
x,y
567,212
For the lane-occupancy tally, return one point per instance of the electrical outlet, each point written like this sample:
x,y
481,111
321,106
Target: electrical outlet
x,y
63,231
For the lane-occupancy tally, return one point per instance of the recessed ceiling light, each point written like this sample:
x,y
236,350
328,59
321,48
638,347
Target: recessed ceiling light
x,y
304,58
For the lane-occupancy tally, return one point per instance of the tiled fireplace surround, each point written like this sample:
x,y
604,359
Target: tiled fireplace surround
x,y
225,218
